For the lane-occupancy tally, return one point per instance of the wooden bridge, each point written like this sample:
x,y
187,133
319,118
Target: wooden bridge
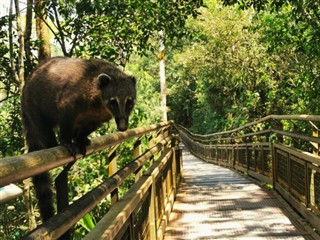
x,y
259,181
214,202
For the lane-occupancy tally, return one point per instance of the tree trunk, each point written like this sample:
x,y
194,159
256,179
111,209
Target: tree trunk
x,y
43,33
21,43
20,79
27,33
163,102
11,52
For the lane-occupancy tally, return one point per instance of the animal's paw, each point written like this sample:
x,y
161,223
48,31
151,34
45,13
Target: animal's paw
x,y
72,149
82,150
82,145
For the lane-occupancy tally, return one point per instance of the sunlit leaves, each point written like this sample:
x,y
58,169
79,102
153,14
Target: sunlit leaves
x,y
247,65
116,29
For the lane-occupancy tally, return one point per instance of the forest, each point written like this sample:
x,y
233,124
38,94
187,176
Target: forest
x,y
226,63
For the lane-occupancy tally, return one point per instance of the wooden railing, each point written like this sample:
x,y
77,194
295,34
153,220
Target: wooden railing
x,y
143,211
282,151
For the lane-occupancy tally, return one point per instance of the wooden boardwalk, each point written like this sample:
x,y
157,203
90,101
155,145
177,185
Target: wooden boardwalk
x,y
217,203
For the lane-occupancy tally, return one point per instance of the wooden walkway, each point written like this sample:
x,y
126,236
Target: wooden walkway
x,y
217,203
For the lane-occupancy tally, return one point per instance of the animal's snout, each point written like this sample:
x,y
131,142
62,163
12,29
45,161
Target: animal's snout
x,y
122,124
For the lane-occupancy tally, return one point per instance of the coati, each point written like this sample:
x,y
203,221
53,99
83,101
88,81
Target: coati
x,y
76,96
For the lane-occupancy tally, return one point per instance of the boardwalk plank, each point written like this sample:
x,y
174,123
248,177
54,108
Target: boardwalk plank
x,y
217,203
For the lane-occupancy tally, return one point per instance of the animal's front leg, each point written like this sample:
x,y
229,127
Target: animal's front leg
x,y
66,132
81,136
82,143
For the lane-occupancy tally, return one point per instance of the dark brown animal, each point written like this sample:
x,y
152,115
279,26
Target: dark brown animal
x,y
76,96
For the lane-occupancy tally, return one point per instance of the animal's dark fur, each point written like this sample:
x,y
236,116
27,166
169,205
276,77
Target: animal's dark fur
x,y
76,96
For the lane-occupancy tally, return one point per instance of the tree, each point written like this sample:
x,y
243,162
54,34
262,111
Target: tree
x,y
113,30
42,29
243,65
163,93
304,14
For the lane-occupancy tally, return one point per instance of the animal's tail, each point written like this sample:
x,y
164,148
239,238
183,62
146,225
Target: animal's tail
x,y
42,185
39,136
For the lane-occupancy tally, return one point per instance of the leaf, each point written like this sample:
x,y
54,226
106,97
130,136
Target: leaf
x,y
87,222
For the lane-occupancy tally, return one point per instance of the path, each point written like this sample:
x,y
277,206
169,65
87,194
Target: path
x,y
217,203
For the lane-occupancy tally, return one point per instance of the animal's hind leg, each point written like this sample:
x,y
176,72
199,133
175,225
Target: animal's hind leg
x,y
40,137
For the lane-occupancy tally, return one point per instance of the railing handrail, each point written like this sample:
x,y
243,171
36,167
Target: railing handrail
x,y
237,134
109,225
315,118
160,137
291,167
60,223
14,169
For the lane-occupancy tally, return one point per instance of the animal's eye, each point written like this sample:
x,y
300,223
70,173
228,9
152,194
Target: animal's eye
x,y
113,102
130,102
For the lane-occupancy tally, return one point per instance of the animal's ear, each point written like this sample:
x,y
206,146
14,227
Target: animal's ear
x,y
134,80
103,80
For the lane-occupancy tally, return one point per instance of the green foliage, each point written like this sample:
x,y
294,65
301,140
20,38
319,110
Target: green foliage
x,y
301,19
236,64
294,55
243,65
12,212
147,108
115,29
112,30
87,222
216,66
11,137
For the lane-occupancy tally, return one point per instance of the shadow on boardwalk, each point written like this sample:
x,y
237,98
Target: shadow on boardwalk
x,y
217,203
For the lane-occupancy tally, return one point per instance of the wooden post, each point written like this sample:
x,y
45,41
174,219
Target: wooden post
x,y
289,172
247,155
233,154
152,211
274,165
137,151
151,145
315,133
174,147
178,159
308,189
310,182
113,168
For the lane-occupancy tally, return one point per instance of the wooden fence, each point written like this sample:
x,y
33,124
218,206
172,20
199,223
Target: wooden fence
x,y
143,211
282,151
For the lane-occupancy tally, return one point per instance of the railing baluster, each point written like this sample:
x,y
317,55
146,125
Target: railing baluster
x,y
113,168
269,156
151,141
137,151
307,183
152,211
